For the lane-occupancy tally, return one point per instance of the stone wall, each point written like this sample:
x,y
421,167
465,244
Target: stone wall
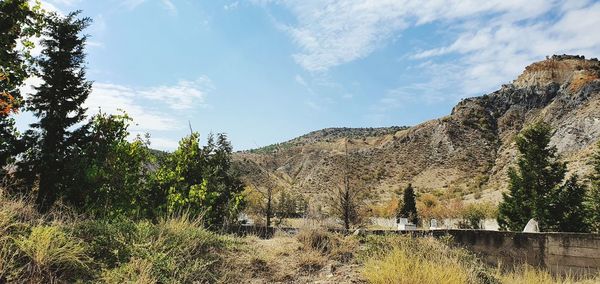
x,y
560,253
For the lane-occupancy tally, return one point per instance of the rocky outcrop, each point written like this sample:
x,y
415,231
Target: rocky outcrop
x,y
465,154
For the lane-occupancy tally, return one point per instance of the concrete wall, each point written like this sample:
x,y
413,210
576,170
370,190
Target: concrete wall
x,y
561,253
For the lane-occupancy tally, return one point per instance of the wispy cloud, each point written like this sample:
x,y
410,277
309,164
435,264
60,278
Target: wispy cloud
x,y
231,6
484,43
333,32
167,4
136,101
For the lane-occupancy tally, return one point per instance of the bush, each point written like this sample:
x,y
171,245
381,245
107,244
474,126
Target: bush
x,y
474,214
399,266
319,239
52,254
403,259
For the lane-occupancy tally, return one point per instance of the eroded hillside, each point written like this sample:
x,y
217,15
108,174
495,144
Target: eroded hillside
x,y
465,154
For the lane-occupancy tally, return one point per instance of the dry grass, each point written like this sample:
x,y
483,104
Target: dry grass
x,y
398,266
528,274
403,259
318,238
52,253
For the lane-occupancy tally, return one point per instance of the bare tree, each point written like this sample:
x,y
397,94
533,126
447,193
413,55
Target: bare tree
x,y
266,189
347,200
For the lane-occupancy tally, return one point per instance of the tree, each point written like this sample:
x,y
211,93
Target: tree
x,y
113,173
262,201
568,211
201,180
290,205
18,22
593,196
347,200
266,188
535,189
223,198
58,103
408,207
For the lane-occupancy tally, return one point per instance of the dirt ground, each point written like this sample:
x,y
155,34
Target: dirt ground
x,y
284,259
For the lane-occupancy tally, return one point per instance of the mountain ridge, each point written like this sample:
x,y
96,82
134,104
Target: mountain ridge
x,y
462,155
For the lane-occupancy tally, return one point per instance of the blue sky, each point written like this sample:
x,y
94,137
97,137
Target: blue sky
x,y
265,71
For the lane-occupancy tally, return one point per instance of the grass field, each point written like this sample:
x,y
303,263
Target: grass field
x,y
63,247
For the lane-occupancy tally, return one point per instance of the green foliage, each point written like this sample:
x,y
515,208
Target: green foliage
x,y
58,105
593,196
568,212
18,22
474,214
175,250
200,180
290,205
51,253
113,174
535,189
408,206
55,248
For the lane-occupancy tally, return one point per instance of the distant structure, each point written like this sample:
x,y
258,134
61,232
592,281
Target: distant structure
x,y
531,227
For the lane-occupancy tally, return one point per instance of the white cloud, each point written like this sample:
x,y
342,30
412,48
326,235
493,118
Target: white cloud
x,y
163,143
334,32
231,6
111,98
498,50
481,44
132,4
507,34
184,95
49,7
169,6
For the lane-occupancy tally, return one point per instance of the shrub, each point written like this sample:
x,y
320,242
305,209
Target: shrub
x,y
474,214
398,266
175,250
528,274
403,259
109,241
135,271
52,254
319,239
311,261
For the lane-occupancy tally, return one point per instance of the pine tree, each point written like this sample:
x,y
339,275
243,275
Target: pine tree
x,y
408,208
568,208
58,102
535,189
593,196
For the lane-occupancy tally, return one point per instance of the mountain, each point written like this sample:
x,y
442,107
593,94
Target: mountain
x,y
463,155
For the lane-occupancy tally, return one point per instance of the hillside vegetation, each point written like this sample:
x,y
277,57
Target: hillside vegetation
x,y
463,155
62,247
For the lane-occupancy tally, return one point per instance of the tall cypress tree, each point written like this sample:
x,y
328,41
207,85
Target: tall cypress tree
x,y
409,205
567,210
593,197
534,182
58,102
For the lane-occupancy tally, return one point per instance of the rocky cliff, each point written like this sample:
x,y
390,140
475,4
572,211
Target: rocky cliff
x,y
463,155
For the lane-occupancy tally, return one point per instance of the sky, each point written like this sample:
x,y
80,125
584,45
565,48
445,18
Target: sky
x,y
266,71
